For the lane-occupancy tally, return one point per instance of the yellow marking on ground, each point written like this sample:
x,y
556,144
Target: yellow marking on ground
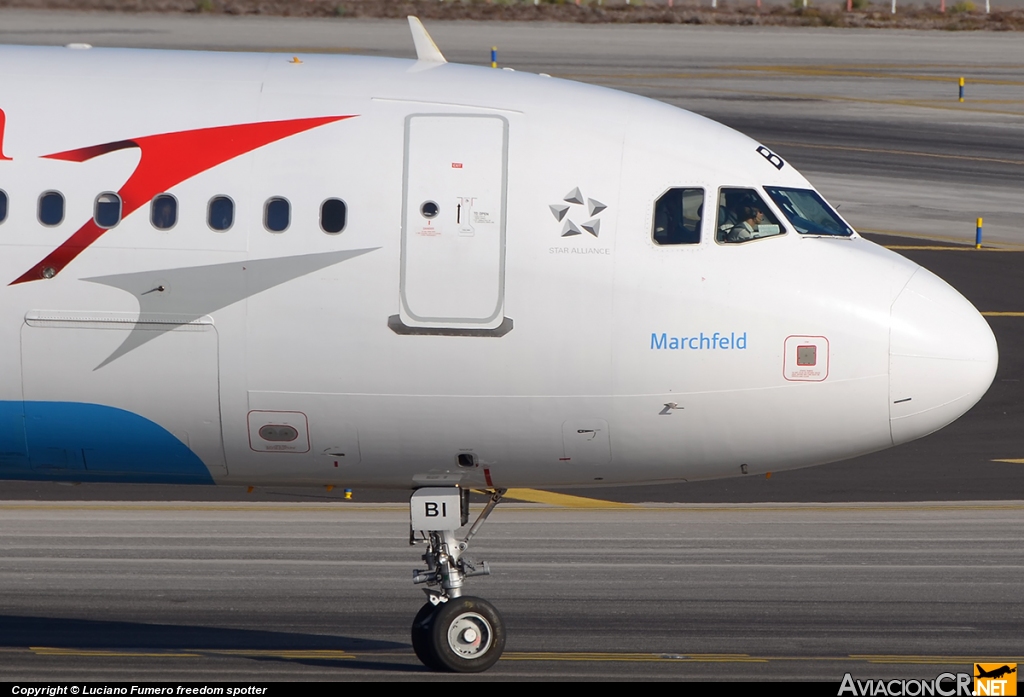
x,y
600,656
563,500
538,656
296,654
825,71
48,651
937,248
953,241
936,103
829,508
997,101
669,657
1003,314
905,66
744,71
931,660
803,508
216,508
887,151
304,508
1018,461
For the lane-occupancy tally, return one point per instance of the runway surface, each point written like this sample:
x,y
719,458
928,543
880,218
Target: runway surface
x,y
721,590
240,592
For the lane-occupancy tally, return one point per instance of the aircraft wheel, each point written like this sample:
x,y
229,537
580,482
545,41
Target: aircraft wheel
x,y
467,635
421,627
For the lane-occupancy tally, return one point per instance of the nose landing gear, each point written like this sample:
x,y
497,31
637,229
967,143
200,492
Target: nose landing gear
x,y
452,632
463,635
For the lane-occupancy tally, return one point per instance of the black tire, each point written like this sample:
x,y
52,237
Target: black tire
x,y
467,635
421,627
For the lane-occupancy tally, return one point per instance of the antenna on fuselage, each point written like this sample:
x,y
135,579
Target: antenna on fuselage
x,y
426,50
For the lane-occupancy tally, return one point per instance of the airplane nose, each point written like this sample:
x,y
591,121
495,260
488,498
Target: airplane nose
x,y
942,357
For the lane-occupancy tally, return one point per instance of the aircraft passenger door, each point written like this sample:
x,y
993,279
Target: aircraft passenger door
x,y
453,223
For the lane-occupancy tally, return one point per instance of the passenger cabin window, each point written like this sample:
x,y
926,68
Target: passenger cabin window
x,y
3,205
221,213
744,216
333,214
808,212
164,212
677,217
51,208
276,214
107,211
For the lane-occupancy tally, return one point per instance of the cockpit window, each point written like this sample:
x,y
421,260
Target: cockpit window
x,y
744,216
808,212
677,216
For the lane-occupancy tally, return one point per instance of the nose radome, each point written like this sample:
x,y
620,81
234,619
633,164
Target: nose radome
x,y
942,357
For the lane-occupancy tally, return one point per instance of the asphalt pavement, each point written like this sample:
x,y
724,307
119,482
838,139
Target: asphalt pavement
x,y
273,592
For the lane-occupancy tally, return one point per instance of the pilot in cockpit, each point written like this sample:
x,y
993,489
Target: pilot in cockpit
x,y
751,218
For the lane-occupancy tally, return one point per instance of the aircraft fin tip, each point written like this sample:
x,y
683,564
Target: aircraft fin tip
x,y
426,49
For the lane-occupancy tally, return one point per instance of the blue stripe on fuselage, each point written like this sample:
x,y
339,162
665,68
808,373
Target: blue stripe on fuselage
x,y
71,441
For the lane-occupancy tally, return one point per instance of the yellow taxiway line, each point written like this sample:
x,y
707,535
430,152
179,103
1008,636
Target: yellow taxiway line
x,y
955,242
937,248
533,656
107,653
605,656
550,498
889,151
749,71
562,500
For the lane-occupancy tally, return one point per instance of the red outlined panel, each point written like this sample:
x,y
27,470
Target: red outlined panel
x,y
806,358
167,159
3,126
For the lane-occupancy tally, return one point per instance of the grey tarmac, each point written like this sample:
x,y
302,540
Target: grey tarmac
x,y
255,592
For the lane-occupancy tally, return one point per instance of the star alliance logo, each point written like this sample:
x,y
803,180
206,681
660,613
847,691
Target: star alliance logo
x,y
572,199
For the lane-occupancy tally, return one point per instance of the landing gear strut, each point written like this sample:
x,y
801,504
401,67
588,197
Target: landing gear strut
x,y
452,632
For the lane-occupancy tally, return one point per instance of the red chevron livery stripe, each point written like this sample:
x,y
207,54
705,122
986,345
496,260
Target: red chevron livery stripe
x,y
167,160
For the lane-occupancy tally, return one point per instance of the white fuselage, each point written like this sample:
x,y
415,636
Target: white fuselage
x,y
379,355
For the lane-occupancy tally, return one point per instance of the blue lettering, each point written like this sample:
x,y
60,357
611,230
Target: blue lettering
x,y
700,342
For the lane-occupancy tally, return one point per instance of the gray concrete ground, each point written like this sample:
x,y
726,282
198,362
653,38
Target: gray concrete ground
x,y
208,592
